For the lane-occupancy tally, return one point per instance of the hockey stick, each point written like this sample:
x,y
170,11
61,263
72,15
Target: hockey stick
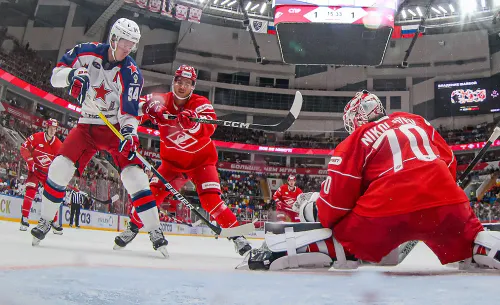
x,y
282,126
109,201
408,246
228,232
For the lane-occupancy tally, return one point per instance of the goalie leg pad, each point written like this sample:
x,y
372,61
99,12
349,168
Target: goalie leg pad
x,y
279,243
487,249
293,242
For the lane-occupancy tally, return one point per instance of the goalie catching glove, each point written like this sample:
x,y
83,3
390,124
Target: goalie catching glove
x,y
306,207
79,84
128,146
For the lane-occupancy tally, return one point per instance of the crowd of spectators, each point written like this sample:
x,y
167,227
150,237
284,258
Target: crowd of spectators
x,y
242,192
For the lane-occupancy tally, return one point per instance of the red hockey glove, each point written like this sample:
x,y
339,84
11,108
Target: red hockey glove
x,y
155,110
129,145
184,119
31,165
79,83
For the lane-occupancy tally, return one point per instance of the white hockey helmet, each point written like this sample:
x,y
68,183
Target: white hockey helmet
x,y
127,29
364,107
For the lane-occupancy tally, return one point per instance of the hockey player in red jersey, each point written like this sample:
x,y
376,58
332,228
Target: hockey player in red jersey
x,y
187,152
285,198
392,180
104,79
38,151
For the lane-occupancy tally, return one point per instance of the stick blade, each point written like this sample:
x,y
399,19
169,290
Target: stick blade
x,y
297,105
238,231
292,115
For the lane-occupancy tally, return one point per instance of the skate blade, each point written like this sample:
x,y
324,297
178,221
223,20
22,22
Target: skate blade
x,y
116,247
163,250
35,242
23,228
57,232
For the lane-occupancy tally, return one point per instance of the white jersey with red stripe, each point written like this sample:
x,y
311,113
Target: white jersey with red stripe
x,y
115,87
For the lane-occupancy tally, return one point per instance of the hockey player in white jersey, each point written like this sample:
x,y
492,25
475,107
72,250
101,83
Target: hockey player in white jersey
x,y
102,76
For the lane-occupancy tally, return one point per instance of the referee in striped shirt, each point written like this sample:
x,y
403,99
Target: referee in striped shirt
x,y
76,201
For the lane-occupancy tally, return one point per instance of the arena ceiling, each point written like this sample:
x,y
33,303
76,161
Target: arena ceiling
x,y
437,12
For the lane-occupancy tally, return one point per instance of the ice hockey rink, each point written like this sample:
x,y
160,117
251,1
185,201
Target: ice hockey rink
x,y
80,267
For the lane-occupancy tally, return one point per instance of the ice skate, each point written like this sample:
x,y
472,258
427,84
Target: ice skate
x,y
39,232
241,245
57,228
127,236
159,241
24,224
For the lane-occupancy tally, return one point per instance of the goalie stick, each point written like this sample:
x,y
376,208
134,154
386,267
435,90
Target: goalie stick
x,y
282,126
224,232
410,245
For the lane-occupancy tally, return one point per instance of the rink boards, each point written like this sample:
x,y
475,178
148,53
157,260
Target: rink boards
x,y
10,210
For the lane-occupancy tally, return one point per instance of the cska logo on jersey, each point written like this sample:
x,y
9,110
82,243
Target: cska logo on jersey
x,y
101,92
133,68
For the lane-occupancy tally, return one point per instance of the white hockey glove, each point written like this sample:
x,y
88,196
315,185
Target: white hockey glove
x,y
306,206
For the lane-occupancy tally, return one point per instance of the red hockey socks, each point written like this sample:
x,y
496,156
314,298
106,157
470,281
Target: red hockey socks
x,y
28,201
325,246
214,205
134,218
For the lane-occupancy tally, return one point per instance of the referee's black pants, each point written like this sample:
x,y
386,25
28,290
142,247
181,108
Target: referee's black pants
x,y
75,211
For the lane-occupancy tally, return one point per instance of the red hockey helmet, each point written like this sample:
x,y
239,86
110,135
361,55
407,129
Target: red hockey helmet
x,y
292,177
52,122
186,72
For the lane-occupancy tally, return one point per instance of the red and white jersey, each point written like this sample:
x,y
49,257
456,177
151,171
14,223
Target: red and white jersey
x,y
37,149
185,150
396,165
285,197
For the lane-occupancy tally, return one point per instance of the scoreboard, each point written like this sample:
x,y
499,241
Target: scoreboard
x,y
337,32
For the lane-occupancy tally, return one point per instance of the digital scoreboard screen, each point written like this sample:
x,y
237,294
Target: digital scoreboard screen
x,y
467,97
335,32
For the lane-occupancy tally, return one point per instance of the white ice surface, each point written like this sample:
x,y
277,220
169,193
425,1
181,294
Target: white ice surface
x,y
80,267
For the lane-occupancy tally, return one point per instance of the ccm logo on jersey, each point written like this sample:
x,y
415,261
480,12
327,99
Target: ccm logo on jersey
x,y
294,10
210,185
335,161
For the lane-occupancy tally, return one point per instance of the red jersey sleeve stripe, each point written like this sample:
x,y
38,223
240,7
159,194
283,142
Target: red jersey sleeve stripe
x,y
332,206
343,174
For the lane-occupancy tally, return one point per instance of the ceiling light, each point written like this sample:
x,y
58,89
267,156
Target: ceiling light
x,y
232,3
436,10
403,13
452,9
263,8
411,12
419,11
254,7
248,5
442,8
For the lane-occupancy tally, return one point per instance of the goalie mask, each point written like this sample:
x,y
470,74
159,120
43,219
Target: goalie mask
x,y
363,108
